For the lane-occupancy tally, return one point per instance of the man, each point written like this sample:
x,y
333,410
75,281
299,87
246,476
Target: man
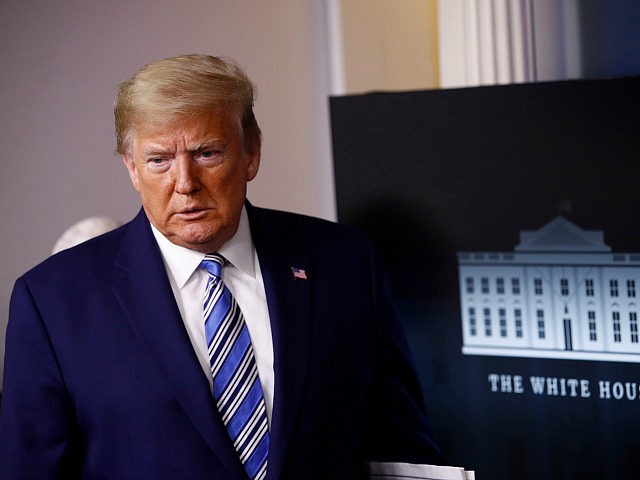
x,y
113,369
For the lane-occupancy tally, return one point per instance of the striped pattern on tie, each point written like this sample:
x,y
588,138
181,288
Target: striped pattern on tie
x,y
236,386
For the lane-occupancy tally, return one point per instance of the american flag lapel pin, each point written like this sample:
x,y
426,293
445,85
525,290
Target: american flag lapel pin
x,y
298,273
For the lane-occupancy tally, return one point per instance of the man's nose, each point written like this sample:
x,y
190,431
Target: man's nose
x,y
187,180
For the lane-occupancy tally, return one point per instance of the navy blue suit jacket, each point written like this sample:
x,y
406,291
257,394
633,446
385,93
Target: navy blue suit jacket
x,y
101,380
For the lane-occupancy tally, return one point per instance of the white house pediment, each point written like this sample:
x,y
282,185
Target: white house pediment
x,y
562,235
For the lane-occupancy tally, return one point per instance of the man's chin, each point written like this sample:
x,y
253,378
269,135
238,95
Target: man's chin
x,y
201,240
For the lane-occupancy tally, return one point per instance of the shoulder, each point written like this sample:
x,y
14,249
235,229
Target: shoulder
x,y
288,227
85,260
329,248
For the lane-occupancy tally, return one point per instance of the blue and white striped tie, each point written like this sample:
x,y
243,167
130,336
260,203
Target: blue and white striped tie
x,y
236,386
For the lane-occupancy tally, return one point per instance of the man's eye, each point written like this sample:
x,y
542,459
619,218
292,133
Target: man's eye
x,y
207,155
157,163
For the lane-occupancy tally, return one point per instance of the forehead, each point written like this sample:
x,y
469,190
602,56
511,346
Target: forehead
x,y
203,127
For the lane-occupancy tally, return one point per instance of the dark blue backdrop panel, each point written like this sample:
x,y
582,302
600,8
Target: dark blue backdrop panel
x,y
432,173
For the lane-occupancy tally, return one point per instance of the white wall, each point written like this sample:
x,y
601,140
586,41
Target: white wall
x,y
60,65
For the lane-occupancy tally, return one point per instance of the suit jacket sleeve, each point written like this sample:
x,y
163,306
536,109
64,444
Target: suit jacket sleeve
x,y
36,438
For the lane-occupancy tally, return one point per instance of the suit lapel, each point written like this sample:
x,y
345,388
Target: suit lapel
x,y
289,302
145,295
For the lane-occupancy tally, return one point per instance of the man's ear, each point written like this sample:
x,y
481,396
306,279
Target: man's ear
x,y
133,171
253,160
253,164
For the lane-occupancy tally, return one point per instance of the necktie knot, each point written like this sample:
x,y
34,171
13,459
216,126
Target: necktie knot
x,y
213,263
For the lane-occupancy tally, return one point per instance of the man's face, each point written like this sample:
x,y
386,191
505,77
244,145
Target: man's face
x,y
192,178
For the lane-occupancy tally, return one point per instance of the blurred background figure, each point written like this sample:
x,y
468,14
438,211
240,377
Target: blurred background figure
x,y
84,230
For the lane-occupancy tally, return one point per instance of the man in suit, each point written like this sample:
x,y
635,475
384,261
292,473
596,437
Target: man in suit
x,y
112,369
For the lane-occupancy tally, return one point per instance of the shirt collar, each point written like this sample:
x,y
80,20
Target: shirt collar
x,y
181,262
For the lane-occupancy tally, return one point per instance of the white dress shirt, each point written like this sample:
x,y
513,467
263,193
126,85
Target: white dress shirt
x,y
243,277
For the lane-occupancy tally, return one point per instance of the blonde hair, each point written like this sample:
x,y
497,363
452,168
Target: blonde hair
x,y
188,85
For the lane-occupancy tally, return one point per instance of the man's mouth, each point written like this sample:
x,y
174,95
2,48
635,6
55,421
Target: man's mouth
x,y
193,212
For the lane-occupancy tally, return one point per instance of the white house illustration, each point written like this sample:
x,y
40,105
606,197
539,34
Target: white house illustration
x,y
561,293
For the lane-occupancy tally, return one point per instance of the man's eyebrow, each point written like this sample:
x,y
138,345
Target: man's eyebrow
x,y
209,143
156,150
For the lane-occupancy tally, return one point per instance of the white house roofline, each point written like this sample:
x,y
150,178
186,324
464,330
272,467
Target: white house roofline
x,y
561,235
